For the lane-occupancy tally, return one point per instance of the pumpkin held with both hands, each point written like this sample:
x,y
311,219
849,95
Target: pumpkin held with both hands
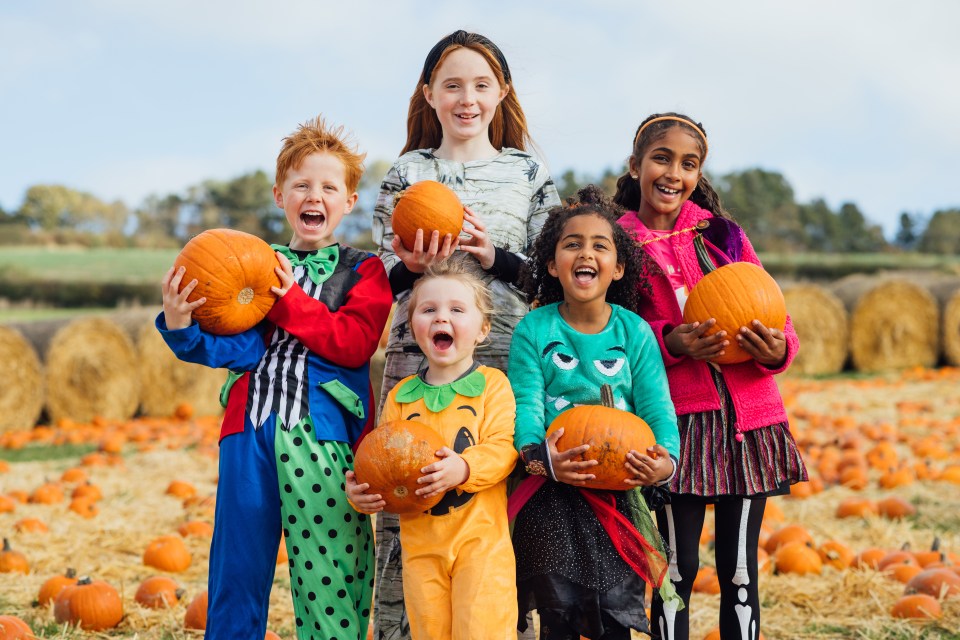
x,y
611,434
389,459
234,272
735,295
427,205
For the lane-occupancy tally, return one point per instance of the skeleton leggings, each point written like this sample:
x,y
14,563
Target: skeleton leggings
x,y
737,522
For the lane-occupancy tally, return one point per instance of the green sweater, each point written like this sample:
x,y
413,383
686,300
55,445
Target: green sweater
x,y
554,367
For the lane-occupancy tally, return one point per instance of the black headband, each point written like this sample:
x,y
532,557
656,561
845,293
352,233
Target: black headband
x,y
463,39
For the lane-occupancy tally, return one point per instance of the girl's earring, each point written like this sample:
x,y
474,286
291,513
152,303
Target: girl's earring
x,y
634,176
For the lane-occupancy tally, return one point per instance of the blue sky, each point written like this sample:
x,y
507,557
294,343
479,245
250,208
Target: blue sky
x,y
852,101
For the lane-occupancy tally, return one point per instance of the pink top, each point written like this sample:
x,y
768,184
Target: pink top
x,y
756,398
662,252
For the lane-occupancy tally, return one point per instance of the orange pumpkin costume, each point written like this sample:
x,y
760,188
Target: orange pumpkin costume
x,y
459,573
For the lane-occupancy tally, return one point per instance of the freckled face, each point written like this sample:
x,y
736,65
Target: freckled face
x,y
314,197
465,93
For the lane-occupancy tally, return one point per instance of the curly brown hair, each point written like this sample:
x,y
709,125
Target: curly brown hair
x,y
540,286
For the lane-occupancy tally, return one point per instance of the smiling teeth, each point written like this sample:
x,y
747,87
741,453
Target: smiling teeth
x,y
668,191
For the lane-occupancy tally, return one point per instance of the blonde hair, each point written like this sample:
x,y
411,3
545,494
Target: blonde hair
x,y
454,270
315,136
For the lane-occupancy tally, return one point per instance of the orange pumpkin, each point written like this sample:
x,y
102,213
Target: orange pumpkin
x,y
835,554
735,295
918,605
797,557
939,582
157,592
30,525
196,615
52,587
234,272
13,628
895,508
786,534
92,604
197,528
168,553
611,434
426,205
389,459
13,561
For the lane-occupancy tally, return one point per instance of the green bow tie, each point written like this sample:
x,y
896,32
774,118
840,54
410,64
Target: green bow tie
x,y
438,398
319,264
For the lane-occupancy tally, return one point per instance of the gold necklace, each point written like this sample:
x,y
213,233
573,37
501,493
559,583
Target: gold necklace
x,y
667,235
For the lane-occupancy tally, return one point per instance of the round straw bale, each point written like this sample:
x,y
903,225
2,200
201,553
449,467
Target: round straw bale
x,y
893,322
91,370
21,397
947,293
168,382
821,323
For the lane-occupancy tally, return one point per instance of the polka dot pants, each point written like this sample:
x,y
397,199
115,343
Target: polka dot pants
x,y
330,545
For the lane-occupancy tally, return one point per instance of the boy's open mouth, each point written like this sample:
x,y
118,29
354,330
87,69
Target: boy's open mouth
x,y
313,219
442,341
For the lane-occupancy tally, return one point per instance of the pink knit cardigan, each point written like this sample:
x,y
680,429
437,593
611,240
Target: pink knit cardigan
x,y
756,397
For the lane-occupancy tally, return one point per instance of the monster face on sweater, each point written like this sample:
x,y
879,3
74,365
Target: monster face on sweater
x,y
579,369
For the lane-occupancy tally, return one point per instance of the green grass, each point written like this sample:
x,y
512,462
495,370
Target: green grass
x,y
31,453
81,264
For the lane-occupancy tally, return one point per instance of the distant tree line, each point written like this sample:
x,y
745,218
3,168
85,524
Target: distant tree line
x,y
762,201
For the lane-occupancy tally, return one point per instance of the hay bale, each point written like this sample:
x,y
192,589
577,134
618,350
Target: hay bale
x,y
947,293
821,323
168,382
91,370
21,397
893,322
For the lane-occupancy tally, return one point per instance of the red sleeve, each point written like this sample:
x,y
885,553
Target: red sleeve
x,y
348,336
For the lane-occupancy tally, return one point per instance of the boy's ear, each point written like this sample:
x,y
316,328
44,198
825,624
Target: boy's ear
x,y
552,269
351,202
618,271
277,196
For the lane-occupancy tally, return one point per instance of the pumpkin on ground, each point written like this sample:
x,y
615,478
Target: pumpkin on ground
x,y
918,605
389,459
735,295
52,587
12,561
196,614
234,272
13,628
797,557
611,434
168,553
157,592
427,205
938,582
92,604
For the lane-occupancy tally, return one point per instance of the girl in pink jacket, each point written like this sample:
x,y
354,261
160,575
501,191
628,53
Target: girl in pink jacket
x,y
735,444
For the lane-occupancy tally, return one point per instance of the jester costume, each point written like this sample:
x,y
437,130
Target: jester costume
x,y
297,398
583,556
458,563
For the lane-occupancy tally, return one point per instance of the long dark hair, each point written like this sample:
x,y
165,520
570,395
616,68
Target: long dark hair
x,y
628,188
544,288
508,127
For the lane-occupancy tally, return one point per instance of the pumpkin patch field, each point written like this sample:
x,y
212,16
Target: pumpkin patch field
x,y
106,524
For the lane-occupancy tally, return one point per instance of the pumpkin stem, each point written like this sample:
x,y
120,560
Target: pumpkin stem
x,y
606,396
85,580
935,546
6,544
70,573
703,255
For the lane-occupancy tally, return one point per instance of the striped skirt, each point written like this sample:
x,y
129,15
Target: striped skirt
x,y
714,464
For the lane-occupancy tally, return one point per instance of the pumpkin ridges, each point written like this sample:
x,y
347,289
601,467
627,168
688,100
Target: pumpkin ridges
x,y
389,459
93,604
427,205
13,628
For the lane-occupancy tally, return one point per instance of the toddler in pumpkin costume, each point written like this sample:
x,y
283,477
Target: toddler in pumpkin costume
x,y
458,562
297,399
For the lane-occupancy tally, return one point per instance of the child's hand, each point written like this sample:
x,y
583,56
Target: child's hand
x,y
361,500
439,477
766,346
177,312
285,273
478,244
691,340
649,468
565,468
419,258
